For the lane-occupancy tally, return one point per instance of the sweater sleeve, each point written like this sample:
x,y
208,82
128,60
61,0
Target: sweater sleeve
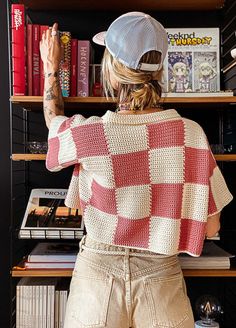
x,y
219,194
62,150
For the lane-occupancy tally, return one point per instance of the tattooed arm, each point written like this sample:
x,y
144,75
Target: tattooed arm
x,y
53,103
51,53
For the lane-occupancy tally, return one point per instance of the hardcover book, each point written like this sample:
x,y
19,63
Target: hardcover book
x,y
29,59
36,57
64,70
192,63
46,216
83,68
41,71
74,60
18,50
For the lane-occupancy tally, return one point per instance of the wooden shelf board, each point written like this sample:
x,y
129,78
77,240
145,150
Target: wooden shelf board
x,y
28,100
123,5
41,157
68,273
28,157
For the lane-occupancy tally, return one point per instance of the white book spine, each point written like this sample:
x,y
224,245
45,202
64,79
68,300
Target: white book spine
x,y
40,321
45,303
56,313
61,299
18,306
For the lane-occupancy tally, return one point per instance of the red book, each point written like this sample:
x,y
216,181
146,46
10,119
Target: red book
x,y
36,77
18,49
30,59
83,68
41,72
73,66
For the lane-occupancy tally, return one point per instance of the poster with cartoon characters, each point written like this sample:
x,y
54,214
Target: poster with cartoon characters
x,y
192,63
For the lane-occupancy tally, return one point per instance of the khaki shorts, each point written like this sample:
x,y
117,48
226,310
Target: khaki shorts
x,y
119,287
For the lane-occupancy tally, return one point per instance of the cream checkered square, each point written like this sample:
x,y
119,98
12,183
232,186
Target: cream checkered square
x,y
100,167
194,204
122,140
100,224
55,125
194,135
163,232
219,189
66,153
85,184
166,165
134,202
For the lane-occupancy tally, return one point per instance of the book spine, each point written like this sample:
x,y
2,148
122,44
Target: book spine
x,y
36,79
18,304
64,69
18,49
74,61
83,68
41,71
29,59
56,313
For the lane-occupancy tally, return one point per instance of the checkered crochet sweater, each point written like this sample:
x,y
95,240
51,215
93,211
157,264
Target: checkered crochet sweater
x,y
143,181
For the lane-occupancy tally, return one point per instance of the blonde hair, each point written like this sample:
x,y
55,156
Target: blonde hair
x,y
138,89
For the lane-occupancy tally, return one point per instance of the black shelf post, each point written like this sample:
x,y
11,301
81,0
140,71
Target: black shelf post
x,y
5,168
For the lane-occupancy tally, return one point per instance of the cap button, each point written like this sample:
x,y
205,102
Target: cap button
x,y
146,15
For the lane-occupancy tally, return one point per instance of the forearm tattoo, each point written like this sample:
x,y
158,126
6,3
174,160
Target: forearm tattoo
x,y
53,104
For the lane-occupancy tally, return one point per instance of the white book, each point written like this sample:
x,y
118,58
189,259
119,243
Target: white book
x,y
56,313
212,257
47,265
61,316
54,252
17,306
44,311
197,94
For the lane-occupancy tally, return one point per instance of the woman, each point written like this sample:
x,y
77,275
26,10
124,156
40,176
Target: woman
x,y
145,178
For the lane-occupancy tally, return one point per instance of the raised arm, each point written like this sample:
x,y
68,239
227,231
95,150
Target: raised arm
x,y
51,53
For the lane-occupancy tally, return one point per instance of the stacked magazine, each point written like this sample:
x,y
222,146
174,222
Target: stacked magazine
x,y
41,302
212,257
52,256
46,216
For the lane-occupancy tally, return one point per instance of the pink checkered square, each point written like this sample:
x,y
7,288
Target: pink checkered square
x,y
197,165
192,235
166,134
53,152
167,200
103,198
131,169
134,233
90,140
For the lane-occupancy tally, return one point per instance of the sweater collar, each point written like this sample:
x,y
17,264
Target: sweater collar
x,y
131,119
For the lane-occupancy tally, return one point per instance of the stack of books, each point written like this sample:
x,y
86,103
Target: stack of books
x,y
52,256
77,75
41,302
212,257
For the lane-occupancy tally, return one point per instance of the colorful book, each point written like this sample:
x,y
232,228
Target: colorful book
x,y
46,216
192,63
73,74
83,68
29,60
41,71
36,57
64,70
18,49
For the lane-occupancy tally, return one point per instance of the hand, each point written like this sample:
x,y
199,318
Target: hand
x,y
51,49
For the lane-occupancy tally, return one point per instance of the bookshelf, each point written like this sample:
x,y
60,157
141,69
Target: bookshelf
x,y
100,103
41,157
19,272
120,5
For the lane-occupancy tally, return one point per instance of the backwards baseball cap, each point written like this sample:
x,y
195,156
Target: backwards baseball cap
x,y
132,35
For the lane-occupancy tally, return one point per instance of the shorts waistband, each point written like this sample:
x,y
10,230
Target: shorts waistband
x,y
94,246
